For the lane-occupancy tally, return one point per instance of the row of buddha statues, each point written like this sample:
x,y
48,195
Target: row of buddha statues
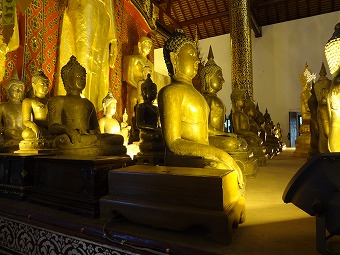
x,y
186,126
319,105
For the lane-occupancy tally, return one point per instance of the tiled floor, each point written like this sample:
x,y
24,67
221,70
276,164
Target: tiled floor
x,y
273,227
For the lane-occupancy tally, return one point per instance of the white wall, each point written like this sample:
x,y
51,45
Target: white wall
x,y
279,58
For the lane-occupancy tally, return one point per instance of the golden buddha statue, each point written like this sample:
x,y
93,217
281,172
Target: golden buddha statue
x,y
136,69
303,142
184,112
108,124
13,44
211,79
241,126
321,89
89,33
11,114
73,119
147,120
34,117
259,119
34,110
332,53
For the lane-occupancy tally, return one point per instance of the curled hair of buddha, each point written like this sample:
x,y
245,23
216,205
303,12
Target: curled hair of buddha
x,y
144,39
332,52
40,75
108,99
14,80
68,69
176,40
209,69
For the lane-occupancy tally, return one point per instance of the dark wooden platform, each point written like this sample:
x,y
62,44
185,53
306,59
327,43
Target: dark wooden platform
x,y
176,198
74,183
28,228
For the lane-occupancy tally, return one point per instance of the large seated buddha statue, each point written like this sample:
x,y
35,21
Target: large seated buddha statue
x,y
11,115
73,119
211,79
241,126
184,112
332,53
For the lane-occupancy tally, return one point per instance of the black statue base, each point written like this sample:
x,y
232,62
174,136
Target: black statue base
x,y
74,183
16,175
176,198
152,158
315,190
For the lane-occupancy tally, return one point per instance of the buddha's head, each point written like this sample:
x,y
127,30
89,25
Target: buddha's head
x,y
73,76
250,108
40,84
181,57
149,90
332,51
144,45
109,104
211,76
237,98
14,89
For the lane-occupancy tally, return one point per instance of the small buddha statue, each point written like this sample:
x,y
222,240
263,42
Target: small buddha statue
x,y
332,53
147,120
125,128
136,68
34,109
211,79
108,124
271,139
241,126
73,119
11,114
184,112
259,119
34,116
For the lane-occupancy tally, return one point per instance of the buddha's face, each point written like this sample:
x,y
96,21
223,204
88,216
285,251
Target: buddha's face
x,y
111,108
149,93
78,80
216,81
15,92
145,47
186,62
40,87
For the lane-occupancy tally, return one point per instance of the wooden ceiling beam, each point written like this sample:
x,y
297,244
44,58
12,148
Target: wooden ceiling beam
x,y
254,24
204,18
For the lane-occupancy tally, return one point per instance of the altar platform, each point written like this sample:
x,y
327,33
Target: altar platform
x,y
271,226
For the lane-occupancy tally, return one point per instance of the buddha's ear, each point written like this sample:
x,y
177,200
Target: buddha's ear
x,y
173,58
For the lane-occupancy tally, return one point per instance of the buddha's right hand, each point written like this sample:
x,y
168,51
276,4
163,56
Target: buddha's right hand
x,y
74,135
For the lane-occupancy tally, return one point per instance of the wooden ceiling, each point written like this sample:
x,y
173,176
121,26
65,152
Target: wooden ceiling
x,y
211,17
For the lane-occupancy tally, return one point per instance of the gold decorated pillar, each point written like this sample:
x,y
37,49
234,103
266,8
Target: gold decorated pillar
x,y
240,45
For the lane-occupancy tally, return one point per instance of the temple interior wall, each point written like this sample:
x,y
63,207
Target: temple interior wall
x,y
279,58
